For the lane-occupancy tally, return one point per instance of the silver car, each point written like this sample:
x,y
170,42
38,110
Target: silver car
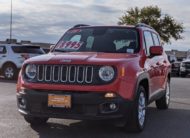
x,y
13,55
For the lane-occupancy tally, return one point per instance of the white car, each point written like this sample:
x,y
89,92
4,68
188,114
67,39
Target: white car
x,y
185,68
13,55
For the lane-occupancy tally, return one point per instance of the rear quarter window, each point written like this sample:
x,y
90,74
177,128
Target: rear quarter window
x,y
2,50
27,49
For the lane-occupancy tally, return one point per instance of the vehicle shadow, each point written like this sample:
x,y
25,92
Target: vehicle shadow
x,y
172,123
2,80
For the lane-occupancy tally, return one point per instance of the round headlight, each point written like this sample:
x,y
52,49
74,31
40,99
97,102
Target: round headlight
x,y
30,71
106,73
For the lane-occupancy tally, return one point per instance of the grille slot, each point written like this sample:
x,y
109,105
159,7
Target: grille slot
x,y
40,76
68,74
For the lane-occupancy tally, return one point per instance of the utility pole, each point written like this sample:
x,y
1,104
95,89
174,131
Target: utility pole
x,y
11,22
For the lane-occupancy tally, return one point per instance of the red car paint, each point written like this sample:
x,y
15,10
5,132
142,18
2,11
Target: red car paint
x,y
131,55
134,65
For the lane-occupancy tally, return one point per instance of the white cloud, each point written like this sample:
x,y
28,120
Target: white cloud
x,y
46,20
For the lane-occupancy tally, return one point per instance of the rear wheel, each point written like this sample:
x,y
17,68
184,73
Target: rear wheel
x,y
137,121
36,120
9,71
164,101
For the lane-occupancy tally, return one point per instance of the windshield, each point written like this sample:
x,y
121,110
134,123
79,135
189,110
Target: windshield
x,y
99,39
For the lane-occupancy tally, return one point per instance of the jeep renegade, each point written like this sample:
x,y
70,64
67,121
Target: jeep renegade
x,y
97,72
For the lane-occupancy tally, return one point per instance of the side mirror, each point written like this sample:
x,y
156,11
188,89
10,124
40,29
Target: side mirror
x,y
156,50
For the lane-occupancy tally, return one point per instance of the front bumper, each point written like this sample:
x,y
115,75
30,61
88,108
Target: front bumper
x,y
85,105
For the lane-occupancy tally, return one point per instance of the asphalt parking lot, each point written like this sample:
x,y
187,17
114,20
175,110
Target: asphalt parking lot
x,y
172,123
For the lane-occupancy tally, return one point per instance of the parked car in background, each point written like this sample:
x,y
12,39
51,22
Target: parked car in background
x,y
185,68
174,64
46,50
176,68
13,55
172,58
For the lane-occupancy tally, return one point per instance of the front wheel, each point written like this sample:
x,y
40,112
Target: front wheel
x,y
36,120
137,121
164,101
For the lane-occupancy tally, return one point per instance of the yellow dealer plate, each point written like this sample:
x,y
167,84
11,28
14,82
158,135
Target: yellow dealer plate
x,y
59,101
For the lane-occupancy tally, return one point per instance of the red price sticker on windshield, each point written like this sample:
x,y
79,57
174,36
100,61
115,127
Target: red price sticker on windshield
x,y
69,45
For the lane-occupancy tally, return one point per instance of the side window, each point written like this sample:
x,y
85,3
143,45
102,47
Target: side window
x,y
148,40
2,50
156,40
89,42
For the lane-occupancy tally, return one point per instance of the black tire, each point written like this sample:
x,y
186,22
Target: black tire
x,y
36,120
10,72
164,101
135,124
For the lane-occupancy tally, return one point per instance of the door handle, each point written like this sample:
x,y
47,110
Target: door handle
x,y
3,55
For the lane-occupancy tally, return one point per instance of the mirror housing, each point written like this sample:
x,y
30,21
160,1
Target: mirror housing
x,y
156,50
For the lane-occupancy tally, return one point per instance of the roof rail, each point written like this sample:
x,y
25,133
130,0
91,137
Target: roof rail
x,y
80,25
143,25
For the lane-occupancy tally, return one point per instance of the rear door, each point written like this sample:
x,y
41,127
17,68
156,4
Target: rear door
x,y
161,63
3,55
152,64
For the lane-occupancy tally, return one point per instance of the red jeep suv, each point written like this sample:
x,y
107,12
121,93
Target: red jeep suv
x,y
97,72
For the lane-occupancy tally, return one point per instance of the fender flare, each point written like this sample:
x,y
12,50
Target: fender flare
x,y
142,76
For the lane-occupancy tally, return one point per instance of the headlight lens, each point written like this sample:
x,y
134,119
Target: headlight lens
x,y
106,73
30,71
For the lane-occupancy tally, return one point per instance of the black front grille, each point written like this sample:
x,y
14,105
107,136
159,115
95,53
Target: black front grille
x,y
65,74
68,74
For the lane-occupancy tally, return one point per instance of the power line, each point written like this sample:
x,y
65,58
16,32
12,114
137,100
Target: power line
x,y
11,22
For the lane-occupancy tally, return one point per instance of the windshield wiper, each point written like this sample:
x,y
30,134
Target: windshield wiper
x,y
59,50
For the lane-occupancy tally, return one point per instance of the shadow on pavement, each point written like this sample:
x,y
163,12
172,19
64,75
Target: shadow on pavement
x,y
172,123
7,81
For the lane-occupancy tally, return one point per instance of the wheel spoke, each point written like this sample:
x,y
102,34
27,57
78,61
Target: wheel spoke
x,y
9,72
141,109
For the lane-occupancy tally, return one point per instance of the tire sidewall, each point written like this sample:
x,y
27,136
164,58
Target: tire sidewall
x,y
141,90
14,71
138,126
168,87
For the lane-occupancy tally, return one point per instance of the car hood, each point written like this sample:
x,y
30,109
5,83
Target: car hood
x,y
81,58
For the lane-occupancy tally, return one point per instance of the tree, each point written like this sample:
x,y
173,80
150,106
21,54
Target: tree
x,y
164,24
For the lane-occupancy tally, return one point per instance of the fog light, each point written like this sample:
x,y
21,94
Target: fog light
x,y
22,103
110,95
21,90
113,106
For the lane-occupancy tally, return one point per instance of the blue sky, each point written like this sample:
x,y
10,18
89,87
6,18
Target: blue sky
x,y
47,20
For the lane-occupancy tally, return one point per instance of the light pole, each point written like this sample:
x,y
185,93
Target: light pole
x,y
11,22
